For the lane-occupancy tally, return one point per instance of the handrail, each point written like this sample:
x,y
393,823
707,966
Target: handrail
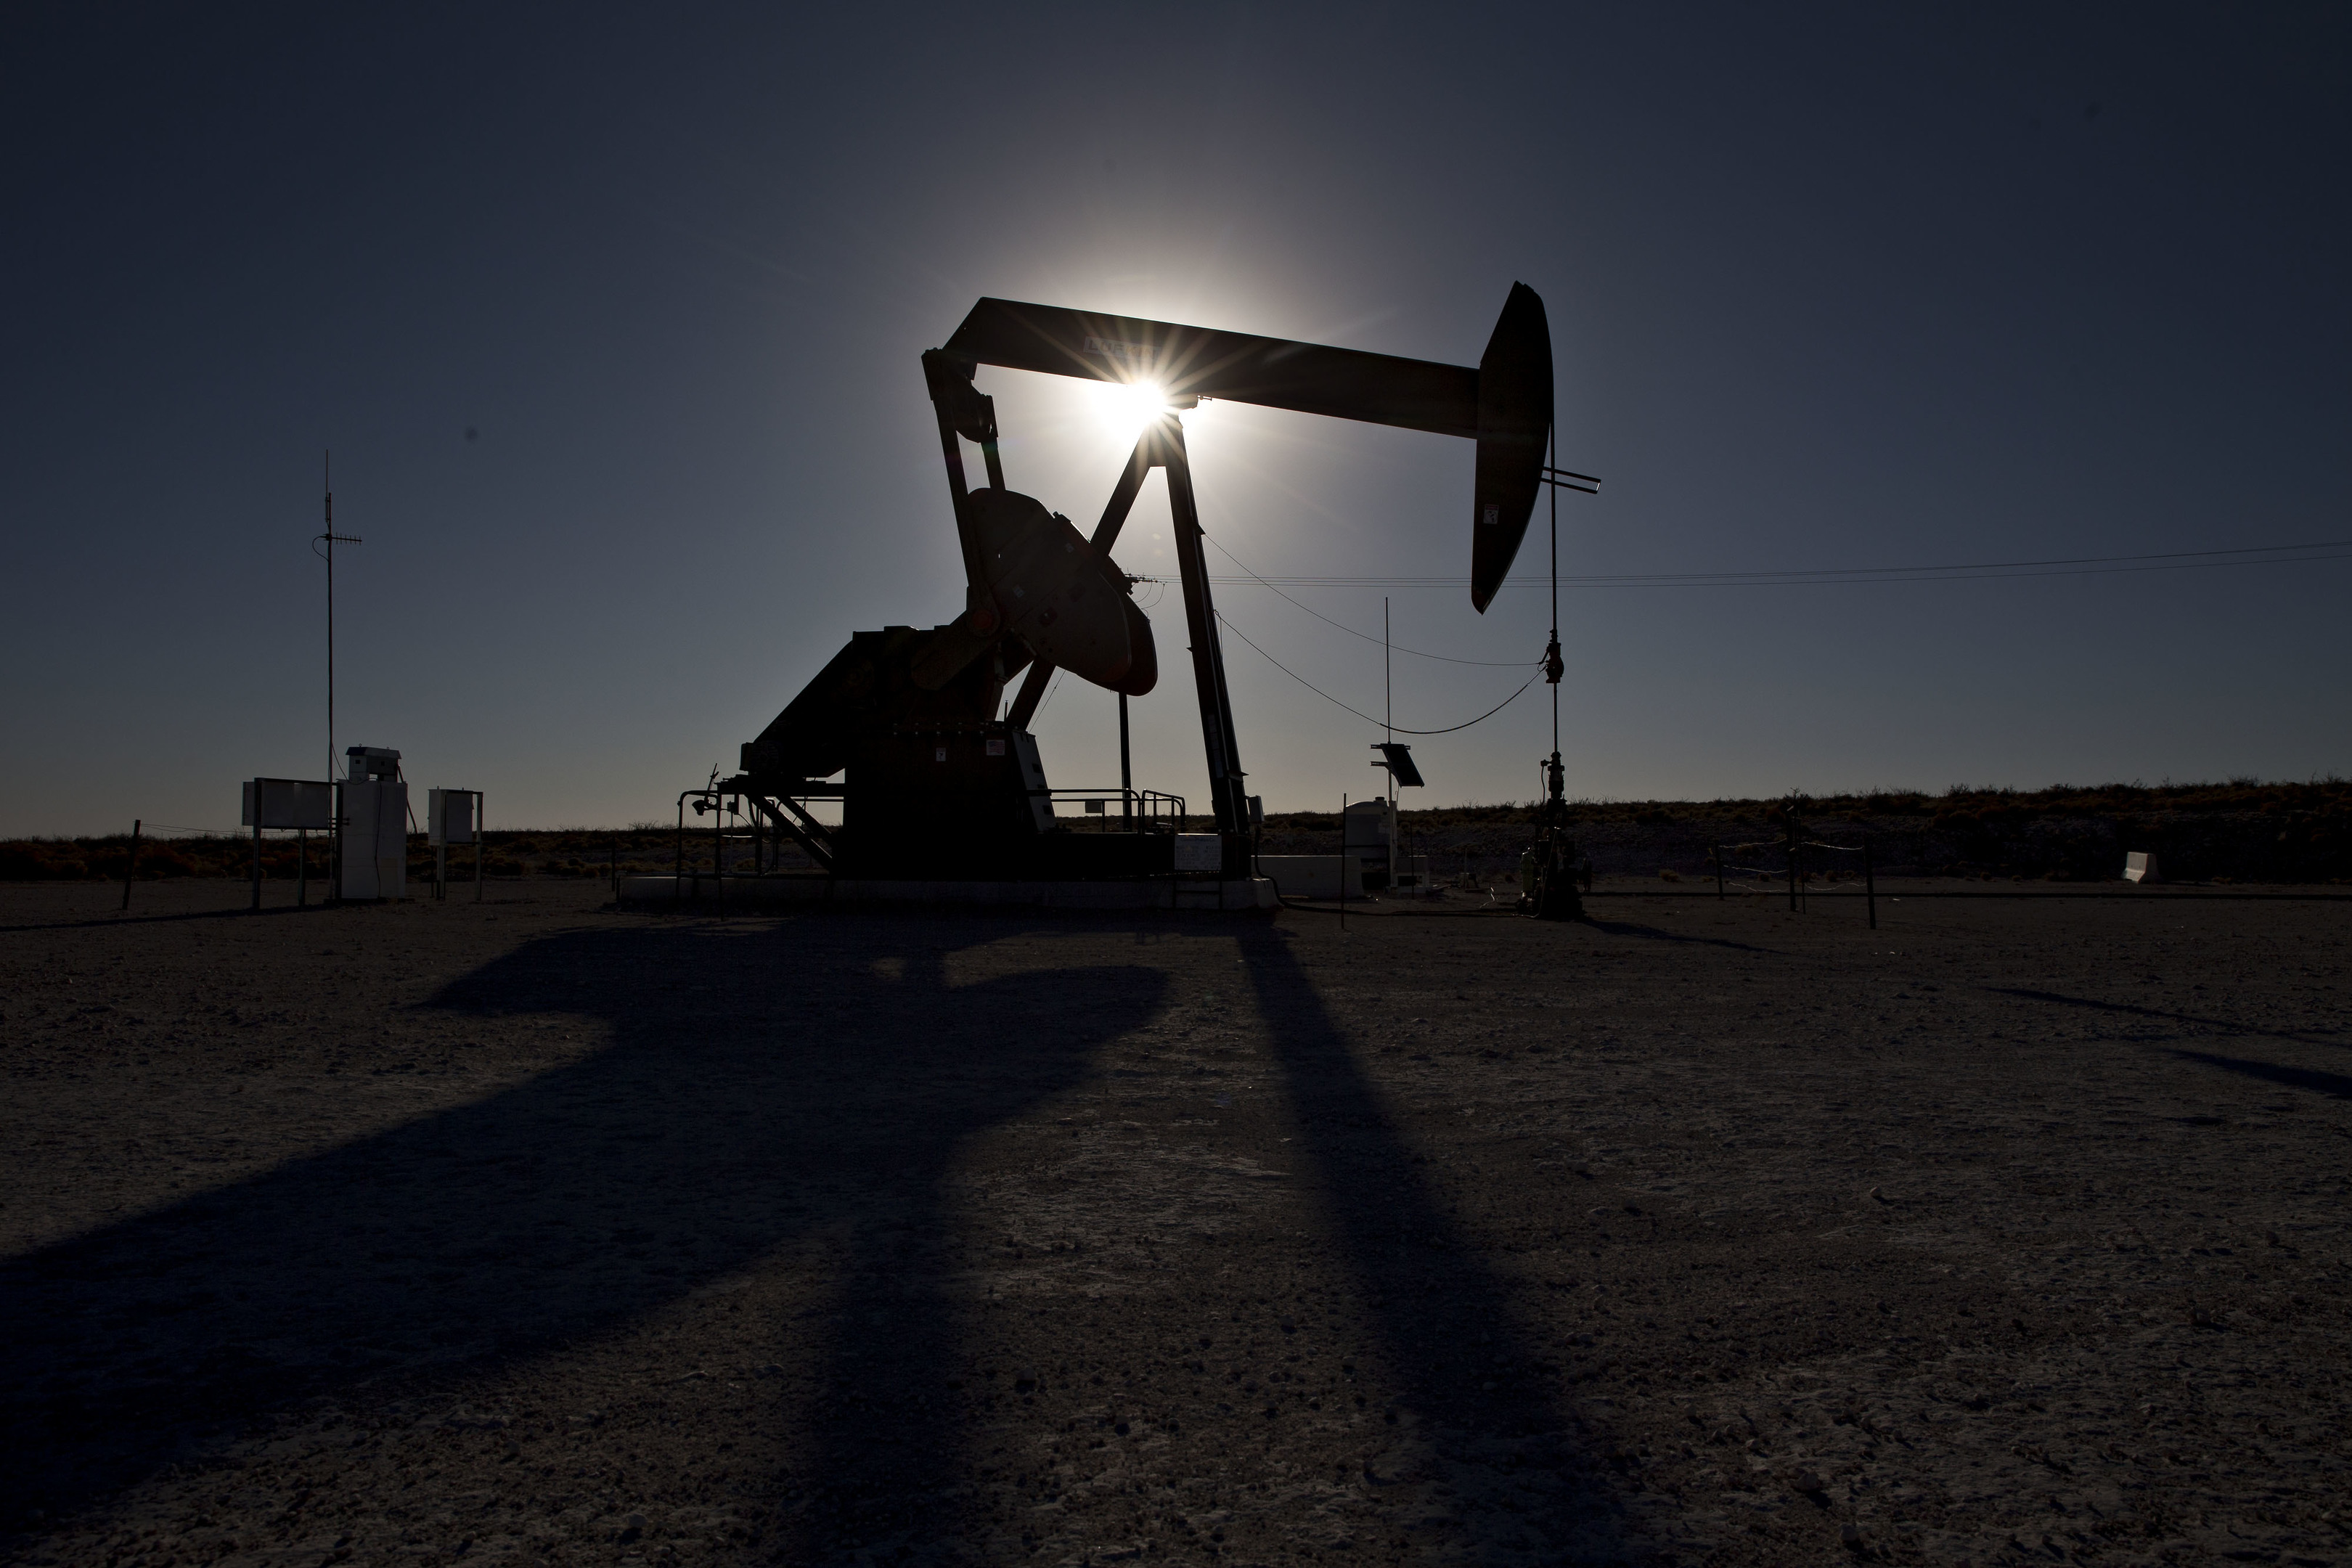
x,y
1151,804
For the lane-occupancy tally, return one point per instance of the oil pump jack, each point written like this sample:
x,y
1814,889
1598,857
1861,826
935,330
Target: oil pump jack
x,y
935,783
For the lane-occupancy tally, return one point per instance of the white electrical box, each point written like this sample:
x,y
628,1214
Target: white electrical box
x,y
376,827
449,817
1369,828
377,763
375,840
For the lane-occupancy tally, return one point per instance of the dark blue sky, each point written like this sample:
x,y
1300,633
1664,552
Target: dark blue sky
x,y
1829,287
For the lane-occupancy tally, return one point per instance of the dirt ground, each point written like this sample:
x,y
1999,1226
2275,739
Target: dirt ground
x,y
538,1231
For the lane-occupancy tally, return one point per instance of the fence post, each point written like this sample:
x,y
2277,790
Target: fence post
x,y
256,843
1869,882
1792,860
131,865
1718,873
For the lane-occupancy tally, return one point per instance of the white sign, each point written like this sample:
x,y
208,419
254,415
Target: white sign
x,y
291,802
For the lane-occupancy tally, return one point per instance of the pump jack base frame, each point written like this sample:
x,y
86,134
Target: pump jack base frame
x,y
1253,895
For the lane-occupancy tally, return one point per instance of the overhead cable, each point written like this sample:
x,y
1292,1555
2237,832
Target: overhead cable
x,y
1359,713
2086,565
1417,653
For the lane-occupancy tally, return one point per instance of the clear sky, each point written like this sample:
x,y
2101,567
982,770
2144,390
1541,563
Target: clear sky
x,y
612,323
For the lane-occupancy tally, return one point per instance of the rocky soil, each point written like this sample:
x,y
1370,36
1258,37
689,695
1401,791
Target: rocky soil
x,y
2013,1231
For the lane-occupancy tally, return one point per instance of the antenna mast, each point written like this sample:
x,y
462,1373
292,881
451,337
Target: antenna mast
x,y
1554,665
1388,692
331,539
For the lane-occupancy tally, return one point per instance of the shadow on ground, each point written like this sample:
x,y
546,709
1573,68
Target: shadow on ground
x,y
765,1083
796,1088
1456,1338
2334,1084
2218,1025
1652,933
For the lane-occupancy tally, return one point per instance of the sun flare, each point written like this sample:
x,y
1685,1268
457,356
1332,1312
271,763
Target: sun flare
x,y
1126,408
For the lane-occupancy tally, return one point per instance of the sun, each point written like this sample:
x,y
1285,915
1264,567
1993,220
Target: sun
x,y
1126,408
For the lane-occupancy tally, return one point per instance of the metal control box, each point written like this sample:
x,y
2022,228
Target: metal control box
x,y
449,816
374,862
1200,854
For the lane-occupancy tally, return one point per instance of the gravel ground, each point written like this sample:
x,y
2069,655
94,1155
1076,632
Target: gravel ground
x,y
2012,1231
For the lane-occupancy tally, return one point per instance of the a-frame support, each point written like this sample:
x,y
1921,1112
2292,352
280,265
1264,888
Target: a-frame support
x,y
1226,776
1161,446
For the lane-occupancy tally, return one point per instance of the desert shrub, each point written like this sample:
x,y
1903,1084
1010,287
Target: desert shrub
x,y
157,861
30,861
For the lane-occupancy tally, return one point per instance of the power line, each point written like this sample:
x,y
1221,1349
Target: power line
x,y
2083,565
1359,713
2177,559
2087,566
1254,577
